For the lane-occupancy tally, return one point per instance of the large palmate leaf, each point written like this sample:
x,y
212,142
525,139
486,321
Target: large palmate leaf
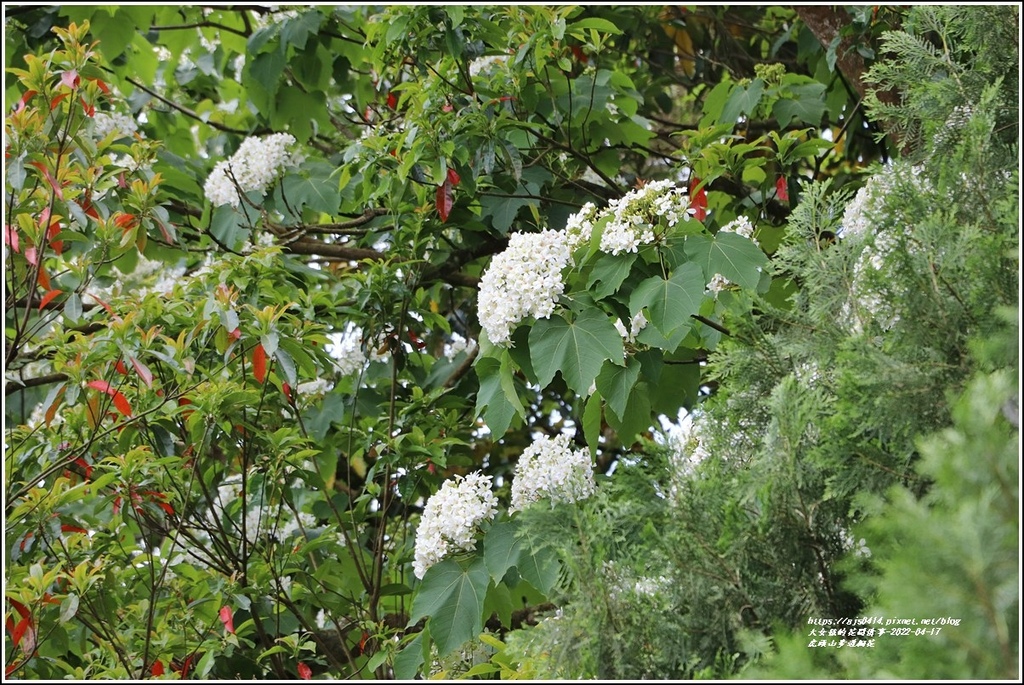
x,y
577,349
730,254
670,301
452,596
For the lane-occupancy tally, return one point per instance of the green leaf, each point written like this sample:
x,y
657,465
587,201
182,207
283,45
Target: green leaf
x,y
577,350
499,601
453,599
502,210
497,394
501,549
730,254
808,107
742,101
670,302
592,422
637,416
610,271
407,662
616,382
297,30
577,27
319,192
538,563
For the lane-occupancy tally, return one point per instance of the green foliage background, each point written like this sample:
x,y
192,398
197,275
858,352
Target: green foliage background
x,y
197,485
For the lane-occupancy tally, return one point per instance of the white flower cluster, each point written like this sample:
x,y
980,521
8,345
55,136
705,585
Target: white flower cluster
x,y
636,324
879,234
486,65
347,350
254,166
105,123
548,468
635,213
686,442
150,276
717,284
457,346
451,517
743,227
524,280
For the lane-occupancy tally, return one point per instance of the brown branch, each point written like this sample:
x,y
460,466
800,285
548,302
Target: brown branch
x,y
826,23
188,112
13,386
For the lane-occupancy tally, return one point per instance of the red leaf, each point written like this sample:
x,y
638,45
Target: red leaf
x,y
89,110
782,189
86,466
20,608
287,390
32,256
23,627
166,507
236,334
119,400
144,373
305,672
48,298
698,200
117,505
444,199
121,368
187,665
125,221
70,79
49,178
259,363
102,304
227,618
29,94
392,100
453,177
578,53
11,238
103,86
158,669
12,668
44,279
67,528
56,100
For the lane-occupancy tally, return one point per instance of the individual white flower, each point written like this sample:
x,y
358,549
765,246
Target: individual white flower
x,y
636,324
548,468
523,280
451,519
105,123
255,165
717,284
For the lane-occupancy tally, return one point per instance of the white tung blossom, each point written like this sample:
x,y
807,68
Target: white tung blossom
x,y
743,227
486,65
635,214
548,468
255,165
451,518
636,324
105,123
524,280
